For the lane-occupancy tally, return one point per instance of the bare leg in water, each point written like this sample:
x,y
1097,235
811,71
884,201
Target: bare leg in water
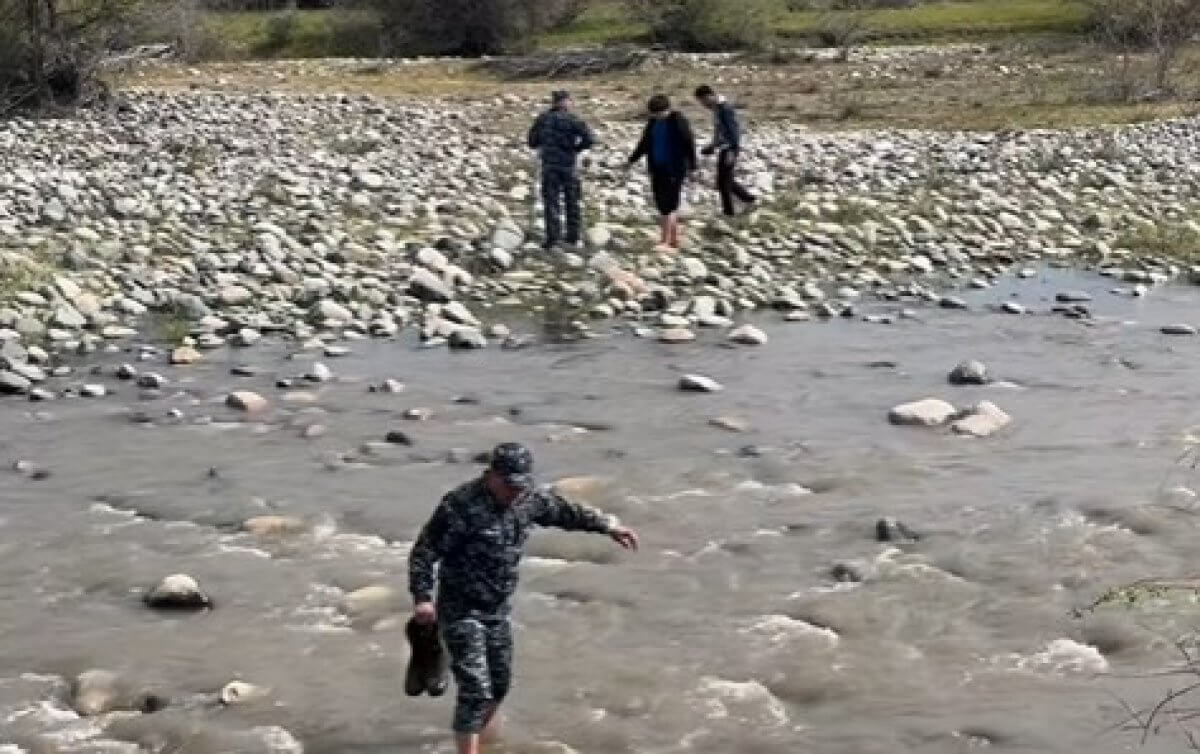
x,y
468,743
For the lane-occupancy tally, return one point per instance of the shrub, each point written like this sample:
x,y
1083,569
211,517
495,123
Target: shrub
x,y
708,25
471,27
50,49
1162,27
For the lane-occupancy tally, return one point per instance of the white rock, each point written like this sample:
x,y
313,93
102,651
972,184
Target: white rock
x,y
234,295
240,692
697,383
178,592
244,400
319,373
748,335
676,335
928,412
985,419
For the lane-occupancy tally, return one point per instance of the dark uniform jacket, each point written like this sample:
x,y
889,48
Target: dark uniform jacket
x,y
559,136
479,542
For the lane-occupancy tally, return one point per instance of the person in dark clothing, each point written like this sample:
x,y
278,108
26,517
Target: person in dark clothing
x,y
559,136
470,551
726,144
669,147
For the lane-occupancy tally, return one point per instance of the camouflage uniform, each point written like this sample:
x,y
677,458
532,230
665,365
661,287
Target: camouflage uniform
x,y
478,542
559,136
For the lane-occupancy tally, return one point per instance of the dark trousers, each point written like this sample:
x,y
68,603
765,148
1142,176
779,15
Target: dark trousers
x,y
481,657
562,186
727,183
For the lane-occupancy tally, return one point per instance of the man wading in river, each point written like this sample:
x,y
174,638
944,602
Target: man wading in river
x,y
477,534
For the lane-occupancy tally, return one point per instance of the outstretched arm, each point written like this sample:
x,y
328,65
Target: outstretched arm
x,y
434,542
642,148
689,144
552,509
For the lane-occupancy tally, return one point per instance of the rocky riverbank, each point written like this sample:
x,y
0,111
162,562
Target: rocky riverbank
x,y
208,219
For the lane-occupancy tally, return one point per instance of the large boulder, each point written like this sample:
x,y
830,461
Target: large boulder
x,y
928,412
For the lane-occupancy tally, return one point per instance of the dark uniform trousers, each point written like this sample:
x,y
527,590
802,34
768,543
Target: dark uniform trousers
x,y
482,657
562,186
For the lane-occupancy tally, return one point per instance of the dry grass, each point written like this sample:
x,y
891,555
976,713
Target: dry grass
x,y
1001,87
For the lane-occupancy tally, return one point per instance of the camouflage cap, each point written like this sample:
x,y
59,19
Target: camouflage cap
x,y
514,462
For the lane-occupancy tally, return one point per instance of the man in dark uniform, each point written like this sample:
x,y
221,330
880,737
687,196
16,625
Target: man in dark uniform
x,y
559,136
726,144
477,535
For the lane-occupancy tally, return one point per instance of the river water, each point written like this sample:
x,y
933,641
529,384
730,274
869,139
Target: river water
x,y
725,633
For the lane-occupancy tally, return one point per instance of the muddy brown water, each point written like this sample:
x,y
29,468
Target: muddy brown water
x,y
725,633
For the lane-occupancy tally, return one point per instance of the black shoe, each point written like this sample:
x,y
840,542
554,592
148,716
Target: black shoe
x,y
427,665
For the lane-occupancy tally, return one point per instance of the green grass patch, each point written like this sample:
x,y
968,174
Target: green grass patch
x,y
346,32
298,34
609,22
943,21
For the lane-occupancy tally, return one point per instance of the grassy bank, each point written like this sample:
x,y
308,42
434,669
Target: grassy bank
x,y
324,33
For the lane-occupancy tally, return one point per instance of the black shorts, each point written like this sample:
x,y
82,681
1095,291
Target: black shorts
x,y
668,191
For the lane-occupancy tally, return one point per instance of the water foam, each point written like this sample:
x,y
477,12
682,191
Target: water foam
x,y
751,701
781,628
1059,656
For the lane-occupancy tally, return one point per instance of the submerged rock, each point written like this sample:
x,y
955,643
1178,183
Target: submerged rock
x,y
97,692
892,530
1178,329
729,423
274,526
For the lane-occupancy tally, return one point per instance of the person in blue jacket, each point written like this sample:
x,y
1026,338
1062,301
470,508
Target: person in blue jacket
x,y
669,147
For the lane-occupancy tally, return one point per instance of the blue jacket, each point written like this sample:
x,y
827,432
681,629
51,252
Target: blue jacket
x,y
726,132
684,152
